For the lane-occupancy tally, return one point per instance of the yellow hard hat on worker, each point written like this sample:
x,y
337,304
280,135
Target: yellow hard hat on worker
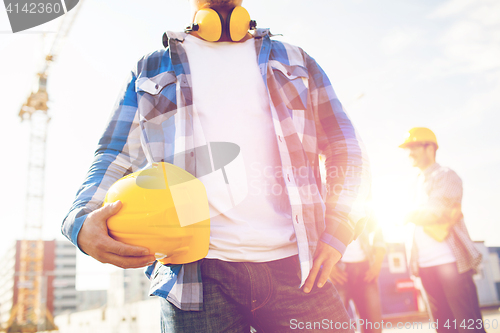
x,y
165,209
419,135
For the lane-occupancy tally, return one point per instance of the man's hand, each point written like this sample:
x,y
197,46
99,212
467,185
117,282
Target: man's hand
x,y
372,273
325,256
94,240
338,276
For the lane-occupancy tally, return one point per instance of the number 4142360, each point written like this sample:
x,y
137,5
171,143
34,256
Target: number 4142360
x,y
34,8
472,324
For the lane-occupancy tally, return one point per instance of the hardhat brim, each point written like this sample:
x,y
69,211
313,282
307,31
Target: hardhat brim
x,y
407,144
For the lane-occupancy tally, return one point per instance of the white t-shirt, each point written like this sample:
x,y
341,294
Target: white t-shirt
x,y
232,103
430,251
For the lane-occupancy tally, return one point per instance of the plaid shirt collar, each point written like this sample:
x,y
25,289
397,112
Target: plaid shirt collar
x,y
427,172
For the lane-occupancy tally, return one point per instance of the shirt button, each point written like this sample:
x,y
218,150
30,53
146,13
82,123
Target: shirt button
x,y
157,86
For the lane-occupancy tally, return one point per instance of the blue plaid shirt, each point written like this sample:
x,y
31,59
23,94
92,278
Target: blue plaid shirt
x,y
152,122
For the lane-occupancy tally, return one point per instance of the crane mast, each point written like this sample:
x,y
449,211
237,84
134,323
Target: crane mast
x,y
29,313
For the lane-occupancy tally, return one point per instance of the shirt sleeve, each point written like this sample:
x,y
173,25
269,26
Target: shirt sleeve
x,y
118,153
348,179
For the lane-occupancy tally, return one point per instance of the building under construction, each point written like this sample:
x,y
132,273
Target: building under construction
x,y
54,286
39,279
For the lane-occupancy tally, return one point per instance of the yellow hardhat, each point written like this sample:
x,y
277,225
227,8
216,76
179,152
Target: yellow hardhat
x,y
165,209
419,135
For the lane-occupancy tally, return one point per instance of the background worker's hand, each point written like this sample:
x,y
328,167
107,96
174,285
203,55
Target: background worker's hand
x,y
373,272
94,240
338,276
325,256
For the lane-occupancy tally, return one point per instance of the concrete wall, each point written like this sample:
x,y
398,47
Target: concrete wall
x,y
138,317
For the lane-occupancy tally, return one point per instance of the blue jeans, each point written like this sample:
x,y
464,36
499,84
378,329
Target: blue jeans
x,y
266,296
365,295
452,299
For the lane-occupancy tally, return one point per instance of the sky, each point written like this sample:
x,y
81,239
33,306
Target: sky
x,y
393,64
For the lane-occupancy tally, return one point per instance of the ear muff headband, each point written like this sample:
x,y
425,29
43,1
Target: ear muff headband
x,y
210,25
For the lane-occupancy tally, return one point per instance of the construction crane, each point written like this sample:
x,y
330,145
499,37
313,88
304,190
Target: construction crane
x,y
29,312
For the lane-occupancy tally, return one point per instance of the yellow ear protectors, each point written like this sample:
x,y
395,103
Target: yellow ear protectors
x,y
210,25
238,23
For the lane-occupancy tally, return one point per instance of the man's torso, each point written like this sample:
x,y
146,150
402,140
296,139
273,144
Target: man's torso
x,y
231,101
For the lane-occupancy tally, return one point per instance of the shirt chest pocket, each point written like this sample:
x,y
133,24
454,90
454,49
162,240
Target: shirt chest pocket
x,y
156,95
292,83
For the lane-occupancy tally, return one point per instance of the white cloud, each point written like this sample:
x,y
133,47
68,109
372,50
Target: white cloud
x,y
487,12
398,40
451,8
471,43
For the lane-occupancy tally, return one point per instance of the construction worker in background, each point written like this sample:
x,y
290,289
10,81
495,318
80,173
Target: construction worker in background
x,y
356,276
443,254
272,250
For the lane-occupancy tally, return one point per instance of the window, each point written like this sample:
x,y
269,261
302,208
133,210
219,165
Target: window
x,y
397,262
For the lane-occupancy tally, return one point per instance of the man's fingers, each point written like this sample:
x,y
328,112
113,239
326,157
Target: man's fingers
x,y
124,250
110,251
312,277
109,210
127,262
325,272
325,255
94,240
308,285
109,244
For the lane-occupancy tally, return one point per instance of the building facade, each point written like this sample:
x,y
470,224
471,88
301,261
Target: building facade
x,y
58,293
127,286
64,283
487,278
91,299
